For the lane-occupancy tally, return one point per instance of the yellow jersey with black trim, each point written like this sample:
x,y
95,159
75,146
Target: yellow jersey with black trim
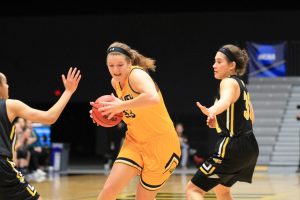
x,y
148,122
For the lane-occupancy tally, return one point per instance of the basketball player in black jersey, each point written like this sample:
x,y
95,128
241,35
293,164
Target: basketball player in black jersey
x,y
13,186
235,154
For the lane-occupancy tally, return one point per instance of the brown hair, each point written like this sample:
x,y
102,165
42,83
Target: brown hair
x,y
134,56
241,57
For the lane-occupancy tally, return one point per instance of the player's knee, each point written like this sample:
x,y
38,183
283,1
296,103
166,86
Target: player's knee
x,y
191,189
222,191
108,189
40,198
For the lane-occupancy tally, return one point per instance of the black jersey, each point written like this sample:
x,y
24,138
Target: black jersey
x,y
236,119
13,185
7,133
236,151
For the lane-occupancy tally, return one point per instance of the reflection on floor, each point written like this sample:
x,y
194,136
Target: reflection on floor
x,y
85,185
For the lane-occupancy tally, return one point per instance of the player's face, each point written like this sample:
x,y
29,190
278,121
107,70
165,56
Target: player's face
x,y
221,66
118,67
3,87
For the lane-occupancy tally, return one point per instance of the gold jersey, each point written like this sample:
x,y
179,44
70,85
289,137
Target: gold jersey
x,y
146,122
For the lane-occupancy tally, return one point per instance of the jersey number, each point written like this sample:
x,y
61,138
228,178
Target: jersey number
x,y
129,114
247,104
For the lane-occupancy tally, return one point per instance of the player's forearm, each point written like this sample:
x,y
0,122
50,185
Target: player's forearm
x,y
143,100
219,106
58,107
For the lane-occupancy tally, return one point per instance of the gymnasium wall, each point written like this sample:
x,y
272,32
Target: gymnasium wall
x,y
36,50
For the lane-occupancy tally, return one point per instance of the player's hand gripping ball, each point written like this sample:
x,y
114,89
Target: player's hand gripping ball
x,y
102,120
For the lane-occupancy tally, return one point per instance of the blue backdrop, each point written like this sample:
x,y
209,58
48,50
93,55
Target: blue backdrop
x,y
266,60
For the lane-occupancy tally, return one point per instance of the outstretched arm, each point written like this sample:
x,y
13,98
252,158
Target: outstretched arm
x,y
229,93
17,108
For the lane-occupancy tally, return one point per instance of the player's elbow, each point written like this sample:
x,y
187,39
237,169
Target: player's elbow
x,y
155,99
252,119
226,104
50,120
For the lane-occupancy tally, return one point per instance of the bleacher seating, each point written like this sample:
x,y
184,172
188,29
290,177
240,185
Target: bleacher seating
x,y
275,103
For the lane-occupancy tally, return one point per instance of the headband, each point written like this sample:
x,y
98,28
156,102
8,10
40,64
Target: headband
x,y
118,49
229,55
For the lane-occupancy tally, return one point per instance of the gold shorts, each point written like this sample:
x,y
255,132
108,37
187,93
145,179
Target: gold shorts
x,y
156,159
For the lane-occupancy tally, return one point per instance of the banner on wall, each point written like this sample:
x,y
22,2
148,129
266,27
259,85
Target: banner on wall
x,y
266,60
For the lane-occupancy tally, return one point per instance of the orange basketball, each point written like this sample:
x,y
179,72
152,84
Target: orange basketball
x,y
103,120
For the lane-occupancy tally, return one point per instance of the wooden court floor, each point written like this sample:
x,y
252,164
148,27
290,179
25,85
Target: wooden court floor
x,y
265,186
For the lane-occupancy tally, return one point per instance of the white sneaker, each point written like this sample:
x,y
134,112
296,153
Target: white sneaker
x,y
41,172
40,179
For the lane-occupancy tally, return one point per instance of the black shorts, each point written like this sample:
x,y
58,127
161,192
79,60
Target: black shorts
x,y
234,160
13,185
22,153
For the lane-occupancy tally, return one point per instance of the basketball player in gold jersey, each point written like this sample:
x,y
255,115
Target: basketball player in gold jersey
x,y
151,148
13,186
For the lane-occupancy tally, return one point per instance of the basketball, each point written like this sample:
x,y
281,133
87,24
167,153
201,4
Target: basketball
x,y
103,120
